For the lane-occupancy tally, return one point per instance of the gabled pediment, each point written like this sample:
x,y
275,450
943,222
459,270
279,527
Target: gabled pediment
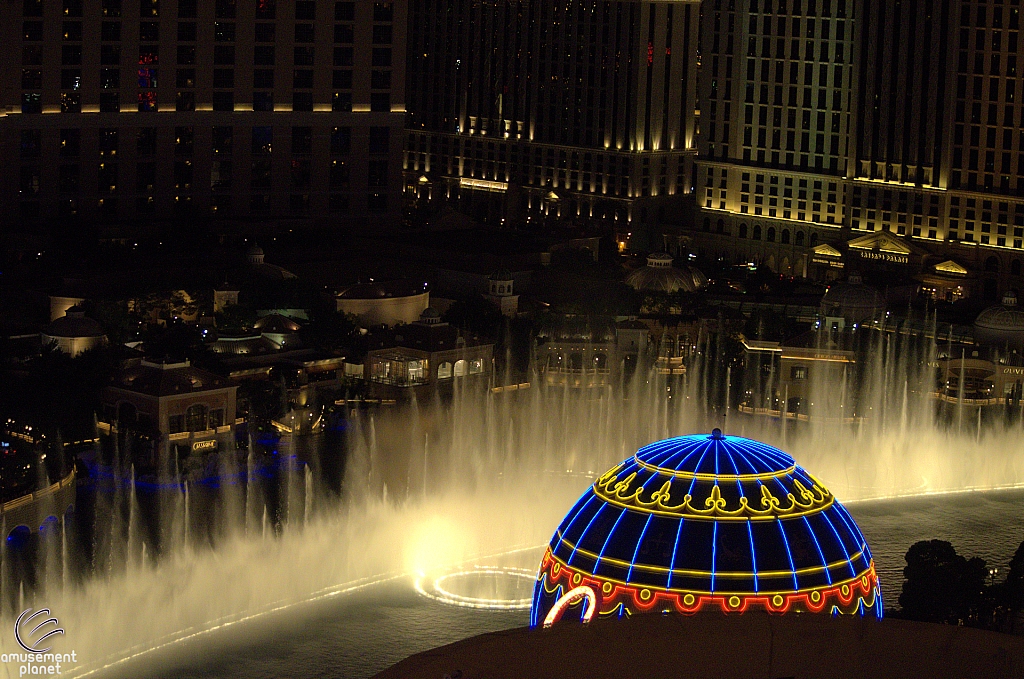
x,y
881,241
826,250
950,267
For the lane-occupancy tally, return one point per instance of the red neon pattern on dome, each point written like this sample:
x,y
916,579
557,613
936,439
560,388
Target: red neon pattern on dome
x,y
846,597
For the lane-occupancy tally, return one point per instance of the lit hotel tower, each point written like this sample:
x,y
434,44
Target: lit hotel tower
x,y
575,109
776,115
940,131
833,120
131,111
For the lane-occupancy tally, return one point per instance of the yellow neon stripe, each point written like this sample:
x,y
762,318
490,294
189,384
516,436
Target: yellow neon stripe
x,y
718,574
870,573
711,477
712,517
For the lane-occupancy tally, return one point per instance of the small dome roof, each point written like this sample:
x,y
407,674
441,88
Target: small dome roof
x,y
254,250
706,523
74,324
430,312
660,276
501,275
1001,324
853,296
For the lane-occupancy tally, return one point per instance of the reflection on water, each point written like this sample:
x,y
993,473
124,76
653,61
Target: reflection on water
x,y
987,524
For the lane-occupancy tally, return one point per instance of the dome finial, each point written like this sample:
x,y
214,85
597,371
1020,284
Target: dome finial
x,y
717,434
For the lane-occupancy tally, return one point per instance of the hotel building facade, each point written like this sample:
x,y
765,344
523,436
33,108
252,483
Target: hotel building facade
x,y
580,110
894,127
127,111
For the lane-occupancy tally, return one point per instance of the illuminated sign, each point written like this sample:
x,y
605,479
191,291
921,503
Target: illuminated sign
x,y
1013,371
483,184
830,262
210,444
886,257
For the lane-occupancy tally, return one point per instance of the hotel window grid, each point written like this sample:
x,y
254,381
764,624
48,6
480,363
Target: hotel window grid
x,y
110,63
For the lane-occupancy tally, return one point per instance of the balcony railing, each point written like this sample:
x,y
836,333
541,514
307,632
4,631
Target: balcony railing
x,y
44,492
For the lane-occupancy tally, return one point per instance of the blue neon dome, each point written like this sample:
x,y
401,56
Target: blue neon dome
x,y
701,521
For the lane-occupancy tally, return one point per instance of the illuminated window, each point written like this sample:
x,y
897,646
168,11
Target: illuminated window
x,y
147,77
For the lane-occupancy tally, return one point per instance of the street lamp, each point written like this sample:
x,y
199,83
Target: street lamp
x,y
992,575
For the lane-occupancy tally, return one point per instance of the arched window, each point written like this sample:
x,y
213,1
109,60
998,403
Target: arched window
x,y
460,368
771,234
785,236
575,361
814,239
757,232
444,370
707,224
600,362
1015,267
476,366
720,226
799,237
743,230
195,418
992,264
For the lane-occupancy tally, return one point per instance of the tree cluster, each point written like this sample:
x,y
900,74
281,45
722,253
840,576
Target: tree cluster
x,y
944,587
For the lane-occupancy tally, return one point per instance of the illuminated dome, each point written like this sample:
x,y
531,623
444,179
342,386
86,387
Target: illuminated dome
x,y
699,523
1002,324
660,276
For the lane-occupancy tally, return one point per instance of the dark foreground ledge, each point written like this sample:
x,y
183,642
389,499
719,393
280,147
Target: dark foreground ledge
x,y
749,646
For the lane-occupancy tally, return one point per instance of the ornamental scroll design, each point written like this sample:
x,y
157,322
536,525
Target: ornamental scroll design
x,y
800,501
